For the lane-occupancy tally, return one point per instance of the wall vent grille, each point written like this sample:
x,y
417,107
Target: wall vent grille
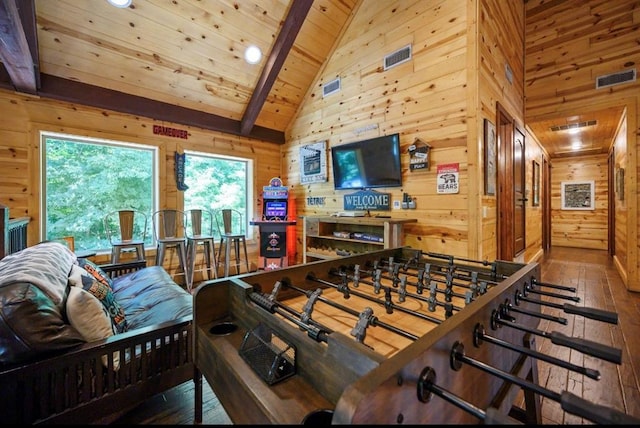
x,y
577,125
616,78
398,57
331,87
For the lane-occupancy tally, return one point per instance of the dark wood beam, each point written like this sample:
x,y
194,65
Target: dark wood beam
x,y
19,54
71,91
295,18
15,53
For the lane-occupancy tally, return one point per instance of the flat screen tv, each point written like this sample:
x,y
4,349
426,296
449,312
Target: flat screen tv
x,y
367,164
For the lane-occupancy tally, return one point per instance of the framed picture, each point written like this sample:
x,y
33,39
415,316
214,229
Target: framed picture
x,y
490,157
620,183
578,195
536,184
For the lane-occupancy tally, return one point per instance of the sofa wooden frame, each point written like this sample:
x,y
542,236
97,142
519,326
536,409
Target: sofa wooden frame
x,y
52,390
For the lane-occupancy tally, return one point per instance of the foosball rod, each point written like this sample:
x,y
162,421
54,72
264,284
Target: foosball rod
x,y
594,349
319,334
374,322
390,305
591,313
357,280
479,336
427,386
418,284
569,402
427,268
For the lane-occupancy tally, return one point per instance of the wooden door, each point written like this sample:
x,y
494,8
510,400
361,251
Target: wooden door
x,y
504,134
519,193
611,224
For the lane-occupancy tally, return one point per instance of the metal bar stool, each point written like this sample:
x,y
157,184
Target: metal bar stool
x,y
121,226
169,230
231,229
200,234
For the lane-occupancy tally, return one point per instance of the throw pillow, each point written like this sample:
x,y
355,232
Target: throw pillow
x,y
97,273
79,277
87,315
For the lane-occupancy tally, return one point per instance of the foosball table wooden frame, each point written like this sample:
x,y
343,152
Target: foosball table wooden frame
x,y
431,342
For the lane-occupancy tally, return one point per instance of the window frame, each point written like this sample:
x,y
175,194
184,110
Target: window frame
x,y
249,183
80,139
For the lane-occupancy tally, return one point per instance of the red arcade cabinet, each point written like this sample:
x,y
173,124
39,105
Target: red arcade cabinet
x,y
273,226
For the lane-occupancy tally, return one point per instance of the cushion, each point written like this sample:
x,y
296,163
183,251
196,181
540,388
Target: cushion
x,y
31,325
87,315
95,270
45,265
150,296
79,277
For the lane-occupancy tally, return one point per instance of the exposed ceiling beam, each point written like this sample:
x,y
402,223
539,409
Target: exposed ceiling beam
x,y
19,54
15,53
295,18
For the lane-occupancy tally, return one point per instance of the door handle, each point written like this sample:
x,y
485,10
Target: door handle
x,y
523,200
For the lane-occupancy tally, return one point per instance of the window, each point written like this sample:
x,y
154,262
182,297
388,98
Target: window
x,y
217,182
83,179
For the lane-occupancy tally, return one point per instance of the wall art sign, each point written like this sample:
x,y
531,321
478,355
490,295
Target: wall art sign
x,y
313,163
367,200
179,165
170,132
490,157
448,178
578,195
419,155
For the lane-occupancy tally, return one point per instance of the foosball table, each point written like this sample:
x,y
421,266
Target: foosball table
x,y
396,336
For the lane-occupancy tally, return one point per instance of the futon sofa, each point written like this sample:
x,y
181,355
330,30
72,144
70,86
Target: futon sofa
x,y
81,343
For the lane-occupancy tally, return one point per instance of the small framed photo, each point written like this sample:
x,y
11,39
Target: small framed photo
x,y
490,157
536,184
578,195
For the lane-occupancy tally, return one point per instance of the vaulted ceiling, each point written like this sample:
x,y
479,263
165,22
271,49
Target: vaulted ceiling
x,y
180,61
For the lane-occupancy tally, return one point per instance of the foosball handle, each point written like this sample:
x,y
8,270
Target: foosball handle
x,y
594,412
591,313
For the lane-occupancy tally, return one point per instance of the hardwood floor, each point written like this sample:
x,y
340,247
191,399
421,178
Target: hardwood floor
x,y
598,285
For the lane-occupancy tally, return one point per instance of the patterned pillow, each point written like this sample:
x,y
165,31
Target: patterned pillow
x,y
96,272
87,315
79,277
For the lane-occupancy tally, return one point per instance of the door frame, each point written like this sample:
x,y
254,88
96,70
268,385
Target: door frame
x,y
504,193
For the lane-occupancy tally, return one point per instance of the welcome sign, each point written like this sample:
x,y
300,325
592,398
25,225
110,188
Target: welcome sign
x,y
367,200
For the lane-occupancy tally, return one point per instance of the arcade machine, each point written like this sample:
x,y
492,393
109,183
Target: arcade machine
x,y
273,225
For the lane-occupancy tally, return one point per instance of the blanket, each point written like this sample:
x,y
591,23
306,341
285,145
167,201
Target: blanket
x,y
46,265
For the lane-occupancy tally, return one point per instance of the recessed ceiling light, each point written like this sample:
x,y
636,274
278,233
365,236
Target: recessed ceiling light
x,y
120,3
253,54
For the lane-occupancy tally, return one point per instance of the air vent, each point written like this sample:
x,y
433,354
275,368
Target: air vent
x,y
331,87
397,57
616,78
557,128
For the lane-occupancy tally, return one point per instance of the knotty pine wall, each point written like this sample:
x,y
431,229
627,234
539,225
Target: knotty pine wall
x,y
578,228
569,44
442,96
23,117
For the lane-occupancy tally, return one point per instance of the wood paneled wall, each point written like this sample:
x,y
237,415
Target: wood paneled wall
x,y
580,228
442,96
568,44
23,117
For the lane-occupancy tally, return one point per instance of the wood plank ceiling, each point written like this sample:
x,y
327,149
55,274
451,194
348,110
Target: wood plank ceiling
x,y
182,61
